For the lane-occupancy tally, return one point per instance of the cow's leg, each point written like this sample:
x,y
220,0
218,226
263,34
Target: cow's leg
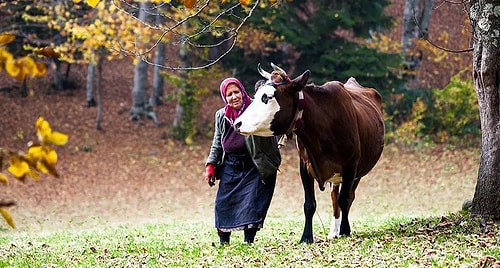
x,y
309,204
353,193
335,226
344,201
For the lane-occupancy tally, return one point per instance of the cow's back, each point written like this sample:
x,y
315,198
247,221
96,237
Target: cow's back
x,y
368,105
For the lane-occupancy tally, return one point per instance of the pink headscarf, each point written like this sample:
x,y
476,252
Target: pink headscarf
x,y
230,113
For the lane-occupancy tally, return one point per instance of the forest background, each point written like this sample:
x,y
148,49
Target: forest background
x,y
139,170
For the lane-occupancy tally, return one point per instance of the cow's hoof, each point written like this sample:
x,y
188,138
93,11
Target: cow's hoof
x,y
306,240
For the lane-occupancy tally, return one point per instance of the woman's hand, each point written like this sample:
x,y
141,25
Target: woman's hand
x,y
210,174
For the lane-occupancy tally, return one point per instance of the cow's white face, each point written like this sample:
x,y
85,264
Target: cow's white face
x,y
257,118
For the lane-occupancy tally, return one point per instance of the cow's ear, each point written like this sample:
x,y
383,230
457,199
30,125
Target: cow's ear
x,y
302,79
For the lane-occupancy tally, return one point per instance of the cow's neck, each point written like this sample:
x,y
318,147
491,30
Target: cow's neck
x,y
307,135
297,122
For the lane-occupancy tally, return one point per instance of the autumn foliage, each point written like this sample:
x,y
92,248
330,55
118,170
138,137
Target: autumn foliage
x,y
19,68
39,159
187,3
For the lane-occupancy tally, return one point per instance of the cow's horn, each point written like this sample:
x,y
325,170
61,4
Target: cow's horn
x,y
277,68
264,74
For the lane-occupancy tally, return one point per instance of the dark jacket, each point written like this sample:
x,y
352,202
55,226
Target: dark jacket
x,y
263,150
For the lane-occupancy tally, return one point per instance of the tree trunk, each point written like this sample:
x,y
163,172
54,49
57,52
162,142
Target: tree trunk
x,y
158,83
98,92
179,109
485,21
24,88
58,78
415,26
140,105
90,85
139,92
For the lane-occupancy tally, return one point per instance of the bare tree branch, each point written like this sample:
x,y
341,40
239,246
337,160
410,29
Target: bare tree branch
x,y
449,50
178,36
463,3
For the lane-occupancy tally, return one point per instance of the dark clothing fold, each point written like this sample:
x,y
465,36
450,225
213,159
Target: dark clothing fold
x,y
243,197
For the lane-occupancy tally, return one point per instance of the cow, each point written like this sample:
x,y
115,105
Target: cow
x,y
339,131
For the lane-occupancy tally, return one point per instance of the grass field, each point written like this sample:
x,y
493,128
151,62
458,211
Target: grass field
x,y
406,214
453,240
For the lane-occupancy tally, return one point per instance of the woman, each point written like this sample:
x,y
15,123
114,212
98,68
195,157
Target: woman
x,y
246,168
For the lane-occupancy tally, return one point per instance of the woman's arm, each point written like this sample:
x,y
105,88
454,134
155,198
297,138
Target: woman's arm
x,y
216,152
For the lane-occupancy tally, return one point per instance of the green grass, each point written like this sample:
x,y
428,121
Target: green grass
x,y
449,241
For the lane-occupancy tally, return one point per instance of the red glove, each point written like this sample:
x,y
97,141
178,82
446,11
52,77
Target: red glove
x,y
210,174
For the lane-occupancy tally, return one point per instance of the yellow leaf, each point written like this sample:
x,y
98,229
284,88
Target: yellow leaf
x,y
7,217
16,69
5,55
28,64
40,165
245,2
48,168
93,3
6,38
21,75
43,129
39,122
50,156
41,70
57,138
18,167
12,68
4,179
43,154
46,135
30,67
34,152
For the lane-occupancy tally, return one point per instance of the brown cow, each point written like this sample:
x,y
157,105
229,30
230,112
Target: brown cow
x,y
340,135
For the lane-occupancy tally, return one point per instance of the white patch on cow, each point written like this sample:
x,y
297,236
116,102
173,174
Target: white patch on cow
x,y
334,229
257,118
335,226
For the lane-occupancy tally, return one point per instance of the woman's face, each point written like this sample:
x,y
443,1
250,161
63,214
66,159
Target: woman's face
x,y
234,96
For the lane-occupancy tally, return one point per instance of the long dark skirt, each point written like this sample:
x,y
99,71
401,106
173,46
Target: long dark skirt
x,y
244,196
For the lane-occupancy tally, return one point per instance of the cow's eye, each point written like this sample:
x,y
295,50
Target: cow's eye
x,y
265,99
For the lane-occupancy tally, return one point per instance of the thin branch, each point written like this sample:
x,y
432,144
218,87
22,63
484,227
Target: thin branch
x,y
213,21
451,2
449,50
432,43
165,31
186,38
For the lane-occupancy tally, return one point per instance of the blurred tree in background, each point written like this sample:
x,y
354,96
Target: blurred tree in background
x,y
333,39
326,37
